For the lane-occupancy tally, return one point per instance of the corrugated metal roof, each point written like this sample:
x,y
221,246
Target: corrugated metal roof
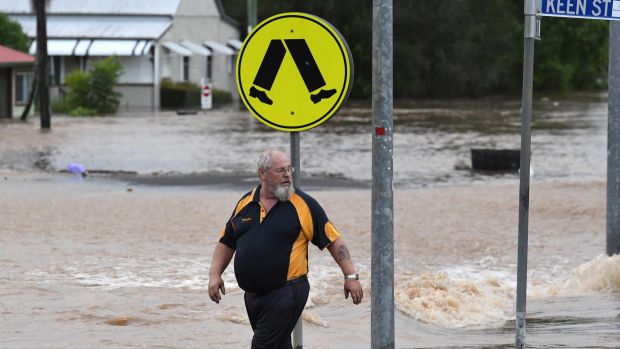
x,y
98,27
109,7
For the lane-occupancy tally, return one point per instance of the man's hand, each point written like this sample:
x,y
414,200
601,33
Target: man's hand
x,y
354,288
341,255
221,257
215,285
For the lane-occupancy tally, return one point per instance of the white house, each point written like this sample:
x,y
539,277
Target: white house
x,y
180,40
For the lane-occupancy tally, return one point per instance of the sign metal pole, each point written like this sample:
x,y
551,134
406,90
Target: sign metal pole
x,y
530,33
298,342
613,142
252,6
606,10
382,224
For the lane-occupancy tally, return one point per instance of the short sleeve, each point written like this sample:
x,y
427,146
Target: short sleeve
x,y
324,231
227,236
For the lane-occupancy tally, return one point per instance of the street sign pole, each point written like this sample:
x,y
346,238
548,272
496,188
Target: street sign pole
x,y
531,32
252,6
613,142
382,223
298,342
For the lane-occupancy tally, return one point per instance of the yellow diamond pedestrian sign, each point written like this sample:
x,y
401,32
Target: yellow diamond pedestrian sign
x,y
294,71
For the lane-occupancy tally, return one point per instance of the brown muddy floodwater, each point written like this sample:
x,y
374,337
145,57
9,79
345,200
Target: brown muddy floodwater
x,y
104,263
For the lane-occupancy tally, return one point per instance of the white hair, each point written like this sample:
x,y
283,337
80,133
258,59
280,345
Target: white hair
x,y
264,160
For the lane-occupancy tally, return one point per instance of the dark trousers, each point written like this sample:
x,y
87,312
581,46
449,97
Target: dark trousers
x,y
273,315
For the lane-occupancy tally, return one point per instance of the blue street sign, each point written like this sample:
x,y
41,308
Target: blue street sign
x,y
590,9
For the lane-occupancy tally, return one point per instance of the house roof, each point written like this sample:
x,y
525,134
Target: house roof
x,y
98,27
98,7
104,27
9,56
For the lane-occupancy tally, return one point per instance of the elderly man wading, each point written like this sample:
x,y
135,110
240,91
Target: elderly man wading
x,y
268,233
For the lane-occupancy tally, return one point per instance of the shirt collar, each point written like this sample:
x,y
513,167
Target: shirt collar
x,y
256,194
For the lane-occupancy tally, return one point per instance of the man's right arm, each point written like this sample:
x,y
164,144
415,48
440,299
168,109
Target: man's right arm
x,y
221,258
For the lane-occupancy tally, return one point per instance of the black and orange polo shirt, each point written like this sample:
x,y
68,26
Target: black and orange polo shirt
x,y
271,249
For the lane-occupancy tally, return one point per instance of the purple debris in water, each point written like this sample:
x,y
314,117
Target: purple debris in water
x,y
76,168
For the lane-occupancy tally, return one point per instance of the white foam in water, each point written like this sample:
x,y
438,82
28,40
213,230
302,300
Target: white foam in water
x,y
474,295
599,275
453,302
130,272
464,296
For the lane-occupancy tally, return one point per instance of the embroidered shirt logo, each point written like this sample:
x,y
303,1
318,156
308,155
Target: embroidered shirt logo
x,y
246,220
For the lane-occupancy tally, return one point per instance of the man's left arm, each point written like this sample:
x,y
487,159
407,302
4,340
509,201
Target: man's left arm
x,y
341,255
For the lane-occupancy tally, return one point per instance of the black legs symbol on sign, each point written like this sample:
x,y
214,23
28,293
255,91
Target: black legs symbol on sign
x,y
306,65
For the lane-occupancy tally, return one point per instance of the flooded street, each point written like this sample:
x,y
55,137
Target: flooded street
x,y
431,139
105,262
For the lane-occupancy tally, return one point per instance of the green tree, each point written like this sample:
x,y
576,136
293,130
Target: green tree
x,y
102,80
77,81
459,48
455,48
93,92
12,34
572,55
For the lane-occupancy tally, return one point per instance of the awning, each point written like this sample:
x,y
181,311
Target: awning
x,y
197,49
98,47
143,47
112,47
62,47
216,46
81,49
174,47
234,43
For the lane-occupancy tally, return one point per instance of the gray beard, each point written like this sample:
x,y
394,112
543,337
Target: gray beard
x,y
283,194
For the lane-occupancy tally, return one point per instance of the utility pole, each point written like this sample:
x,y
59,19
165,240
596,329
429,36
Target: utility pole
x,y
42,66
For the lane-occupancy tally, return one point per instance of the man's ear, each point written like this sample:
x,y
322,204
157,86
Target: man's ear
x,y
261,173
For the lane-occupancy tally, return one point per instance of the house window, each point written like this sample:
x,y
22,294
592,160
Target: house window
x,y
22,87
55,71
231,64
209,67
185,68
166,67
